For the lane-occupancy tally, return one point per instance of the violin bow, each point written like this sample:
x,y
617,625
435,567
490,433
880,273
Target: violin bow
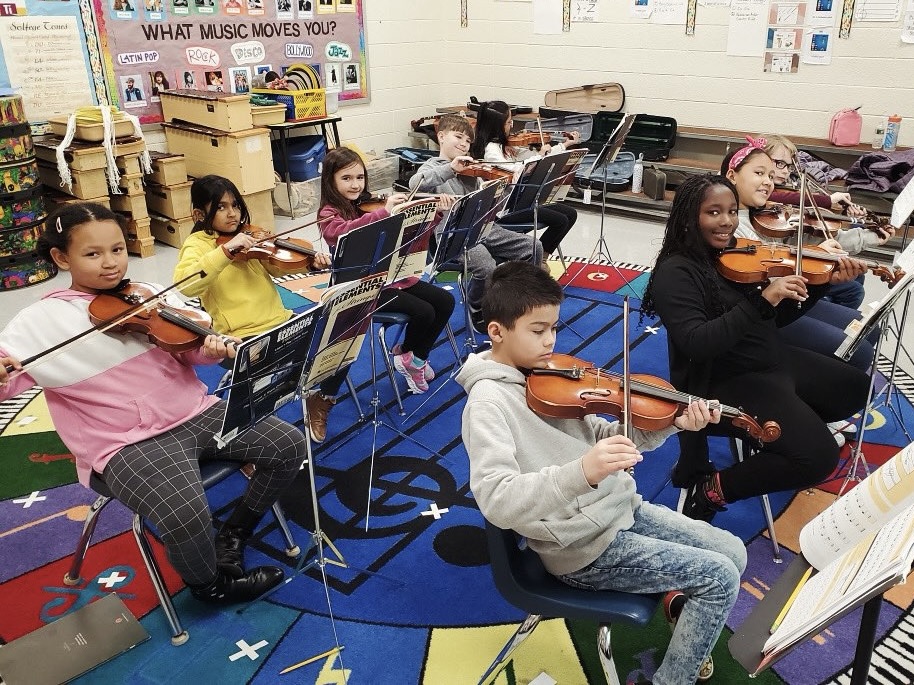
x,y
799,258
539,126
806,194
626,373
97,329
291,230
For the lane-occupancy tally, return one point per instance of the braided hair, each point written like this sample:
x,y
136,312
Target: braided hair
x,y
683,237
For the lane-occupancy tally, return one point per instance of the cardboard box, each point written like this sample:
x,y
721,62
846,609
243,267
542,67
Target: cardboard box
x,y
170,201
86,184
260,207
167,169
129,164
221,111
171,231
93,132
265,115
134,205
55,199
132,184
243,157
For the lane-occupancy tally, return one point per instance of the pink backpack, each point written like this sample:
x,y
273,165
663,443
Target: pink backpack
x,y
845,127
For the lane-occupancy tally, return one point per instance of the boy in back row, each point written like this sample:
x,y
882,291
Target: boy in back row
x,y
563,484
442,175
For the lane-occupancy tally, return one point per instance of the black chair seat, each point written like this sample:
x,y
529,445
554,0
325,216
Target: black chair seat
x,y
390,318
522,579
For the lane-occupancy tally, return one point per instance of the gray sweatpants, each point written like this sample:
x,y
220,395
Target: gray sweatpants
x,y
499,245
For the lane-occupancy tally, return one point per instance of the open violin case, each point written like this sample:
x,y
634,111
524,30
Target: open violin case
x,y
652,136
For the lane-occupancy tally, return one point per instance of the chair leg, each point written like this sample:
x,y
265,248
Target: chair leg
x,y
522,633
178,635
558,251
390,368
292,549
451,338
605,650
72,576
738,447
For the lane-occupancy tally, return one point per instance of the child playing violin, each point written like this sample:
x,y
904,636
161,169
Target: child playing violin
x,y
343,180
563,485
751,171
723,342
238,293
442,174
138,417
852,240
493,126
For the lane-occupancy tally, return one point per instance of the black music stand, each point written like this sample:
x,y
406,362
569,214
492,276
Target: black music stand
x,y
746,643
874,320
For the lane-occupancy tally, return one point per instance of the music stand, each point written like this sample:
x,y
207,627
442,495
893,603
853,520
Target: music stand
x,y
874,318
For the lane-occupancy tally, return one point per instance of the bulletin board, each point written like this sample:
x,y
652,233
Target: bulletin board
x,y
46,51
152,45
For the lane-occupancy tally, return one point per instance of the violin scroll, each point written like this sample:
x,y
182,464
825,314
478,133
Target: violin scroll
x,y
766,432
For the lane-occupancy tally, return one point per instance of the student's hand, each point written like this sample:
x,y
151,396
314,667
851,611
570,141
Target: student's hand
x,y
239,242
832,246
4,374
215,347
546,149
696,416
322,261
460,163
445,202
847,269
841,200
394,200
609,456
786,288
572,137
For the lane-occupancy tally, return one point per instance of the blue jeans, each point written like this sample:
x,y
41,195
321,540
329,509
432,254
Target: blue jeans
x,y
666,551
821,330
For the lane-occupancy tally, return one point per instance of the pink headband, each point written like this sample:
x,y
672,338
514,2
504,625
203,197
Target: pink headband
x,y
743,152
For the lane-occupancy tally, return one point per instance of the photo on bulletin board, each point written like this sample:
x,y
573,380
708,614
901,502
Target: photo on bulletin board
x,y
784,39
216,45
782,63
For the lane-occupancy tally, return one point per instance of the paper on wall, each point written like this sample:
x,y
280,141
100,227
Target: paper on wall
x,y
714,3
817,45
641,9
877,10
585,11
907,29
822,12
669,12
547,17
747,31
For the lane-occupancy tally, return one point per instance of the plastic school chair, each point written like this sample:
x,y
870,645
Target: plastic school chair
x,y
523,581
212,472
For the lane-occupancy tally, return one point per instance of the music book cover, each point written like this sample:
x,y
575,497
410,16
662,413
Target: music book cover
x,y
72,645
412,247
860,545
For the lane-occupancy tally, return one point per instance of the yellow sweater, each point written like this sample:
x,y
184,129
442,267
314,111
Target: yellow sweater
x,y
239,294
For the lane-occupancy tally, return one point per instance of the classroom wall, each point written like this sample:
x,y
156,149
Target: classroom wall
x,y
668,73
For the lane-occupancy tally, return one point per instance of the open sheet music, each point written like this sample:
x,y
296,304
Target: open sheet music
x,y
862,543
412,248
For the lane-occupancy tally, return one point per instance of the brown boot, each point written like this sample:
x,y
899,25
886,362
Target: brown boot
x,y
318,409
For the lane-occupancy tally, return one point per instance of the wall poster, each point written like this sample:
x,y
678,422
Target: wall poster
x,y
224,45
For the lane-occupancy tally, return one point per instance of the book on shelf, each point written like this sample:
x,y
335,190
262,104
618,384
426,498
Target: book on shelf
x,y
858,547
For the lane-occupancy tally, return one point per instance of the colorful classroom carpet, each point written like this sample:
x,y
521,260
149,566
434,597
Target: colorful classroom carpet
x,y
415,602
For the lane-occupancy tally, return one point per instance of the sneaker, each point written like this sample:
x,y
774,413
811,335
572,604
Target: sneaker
x,y
318,410
479,324
697,506
429,371
673,603
842,427
415,377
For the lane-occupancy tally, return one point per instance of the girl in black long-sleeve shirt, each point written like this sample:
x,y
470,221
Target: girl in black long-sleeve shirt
x,y
723,343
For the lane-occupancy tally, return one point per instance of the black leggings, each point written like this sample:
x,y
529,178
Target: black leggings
x,y
558,218
805,392
429,308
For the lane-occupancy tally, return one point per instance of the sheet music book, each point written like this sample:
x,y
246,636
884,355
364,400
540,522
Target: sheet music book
x,y
412,248
566,176
860,545
367,250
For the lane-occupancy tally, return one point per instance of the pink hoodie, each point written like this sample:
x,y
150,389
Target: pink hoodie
x,y
105,391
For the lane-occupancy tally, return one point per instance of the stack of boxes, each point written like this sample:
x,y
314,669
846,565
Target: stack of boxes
x,y
168,198
87,162
216,135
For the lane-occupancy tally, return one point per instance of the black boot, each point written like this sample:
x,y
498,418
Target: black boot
x,y
698,505
232,538
224,589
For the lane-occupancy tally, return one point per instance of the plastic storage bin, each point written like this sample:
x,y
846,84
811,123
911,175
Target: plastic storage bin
x,y
305,155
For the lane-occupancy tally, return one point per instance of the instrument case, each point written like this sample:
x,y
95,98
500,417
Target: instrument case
x,y
651,136
617,175
597,97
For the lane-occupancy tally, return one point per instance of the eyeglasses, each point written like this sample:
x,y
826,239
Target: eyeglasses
x,y
780,163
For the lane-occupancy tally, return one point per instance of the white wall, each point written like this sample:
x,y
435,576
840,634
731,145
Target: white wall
x,y
690,78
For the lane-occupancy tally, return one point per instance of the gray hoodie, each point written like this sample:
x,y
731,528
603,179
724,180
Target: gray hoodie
x,y
437,176
526,471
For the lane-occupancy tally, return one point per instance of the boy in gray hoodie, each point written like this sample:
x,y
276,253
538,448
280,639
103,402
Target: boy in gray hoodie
x,y
563,484
441,174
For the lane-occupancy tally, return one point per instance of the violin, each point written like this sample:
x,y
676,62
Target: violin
x,y
750,261
782,221
525,138
487,171
167,327
571,388
373,203
292,254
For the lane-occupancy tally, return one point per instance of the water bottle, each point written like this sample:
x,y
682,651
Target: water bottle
x,y
638,174
892,129
878,137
